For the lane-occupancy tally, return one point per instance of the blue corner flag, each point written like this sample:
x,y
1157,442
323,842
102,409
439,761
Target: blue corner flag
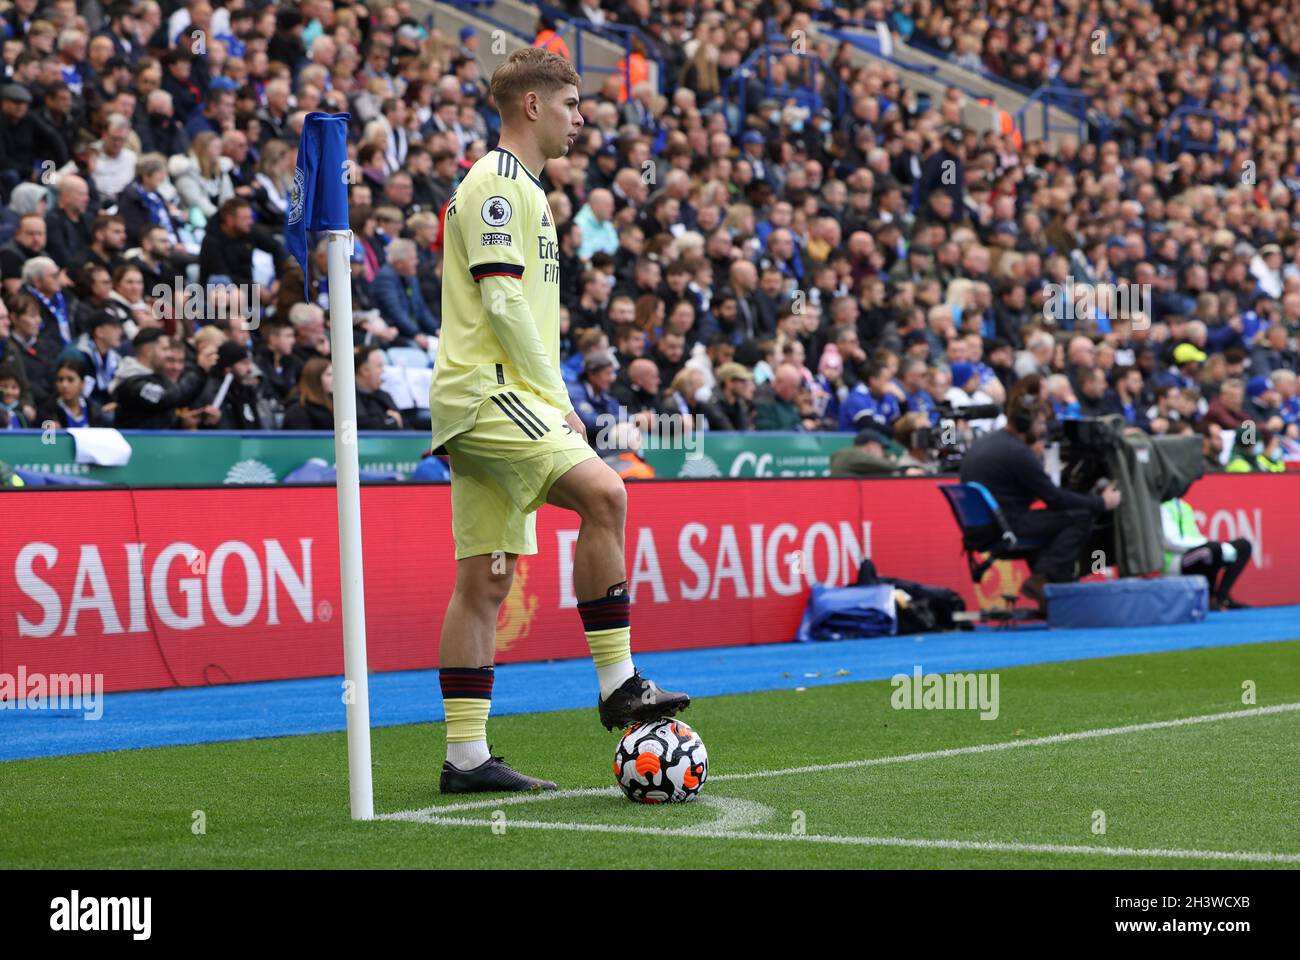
x,y
320,192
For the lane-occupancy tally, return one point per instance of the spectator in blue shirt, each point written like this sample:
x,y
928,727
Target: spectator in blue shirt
x,y
396,293
1065,405
584,342
599,235
1125,398
1284,382
591,396
871,403
219,109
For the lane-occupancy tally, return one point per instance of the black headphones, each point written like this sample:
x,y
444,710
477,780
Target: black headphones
x,y
1022,418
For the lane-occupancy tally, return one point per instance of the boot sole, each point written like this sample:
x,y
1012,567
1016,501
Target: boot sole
x,y
658,711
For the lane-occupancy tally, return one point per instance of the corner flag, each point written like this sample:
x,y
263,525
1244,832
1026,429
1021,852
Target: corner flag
x,y
320,202
320,193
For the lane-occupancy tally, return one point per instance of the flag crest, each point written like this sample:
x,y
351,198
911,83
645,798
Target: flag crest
x,y
320,193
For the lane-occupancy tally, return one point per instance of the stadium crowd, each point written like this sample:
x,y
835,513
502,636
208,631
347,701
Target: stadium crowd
x,y
788,269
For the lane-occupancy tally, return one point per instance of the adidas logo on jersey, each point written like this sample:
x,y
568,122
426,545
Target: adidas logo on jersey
x,y
546,221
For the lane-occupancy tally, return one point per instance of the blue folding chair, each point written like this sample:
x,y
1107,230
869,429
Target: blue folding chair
x,y
984,529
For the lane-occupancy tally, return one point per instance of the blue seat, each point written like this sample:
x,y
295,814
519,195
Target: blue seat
x,y
412,357
984,529
34,478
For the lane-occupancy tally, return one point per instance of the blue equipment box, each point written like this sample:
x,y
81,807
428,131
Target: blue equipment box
x,y
1128,603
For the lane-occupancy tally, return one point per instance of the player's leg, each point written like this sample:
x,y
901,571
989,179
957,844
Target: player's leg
x,y
596,493
467,652
490,531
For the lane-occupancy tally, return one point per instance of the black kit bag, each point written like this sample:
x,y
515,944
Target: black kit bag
x,y
931,608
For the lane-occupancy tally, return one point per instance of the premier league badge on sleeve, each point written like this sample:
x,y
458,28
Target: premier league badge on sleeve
x,y
496,211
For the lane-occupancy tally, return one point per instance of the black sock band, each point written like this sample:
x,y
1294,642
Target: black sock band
x,y
607,613
466,683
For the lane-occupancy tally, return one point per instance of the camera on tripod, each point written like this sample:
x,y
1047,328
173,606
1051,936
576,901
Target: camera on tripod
x,y
1086,444
945,439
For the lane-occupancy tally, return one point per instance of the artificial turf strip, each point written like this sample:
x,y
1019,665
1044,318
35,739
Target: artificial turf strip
x,y
1228,785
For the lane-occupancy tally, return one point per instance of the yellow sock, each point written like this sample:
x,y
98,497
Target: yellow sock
x,y
607,622
467,719
610,646
466,702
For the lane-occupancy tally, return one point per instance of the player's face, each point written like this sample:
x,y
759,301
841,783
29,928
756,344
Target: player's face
x,y
561,122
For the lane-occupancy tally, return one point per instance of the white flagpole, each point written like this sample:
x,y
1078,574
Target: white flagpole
x,y
360,786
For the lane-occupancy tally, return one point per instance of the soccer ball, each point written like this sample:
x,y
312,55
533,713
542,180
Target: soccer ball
x,y
663,761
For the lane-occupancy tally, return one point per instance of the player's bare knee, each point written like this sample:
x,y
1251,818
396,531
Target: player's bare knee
x,y
485,596
484,582
496,590
606,503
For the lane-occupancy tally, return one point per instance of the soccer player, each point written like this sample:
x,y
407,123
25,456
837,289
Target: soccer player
x,y
500,406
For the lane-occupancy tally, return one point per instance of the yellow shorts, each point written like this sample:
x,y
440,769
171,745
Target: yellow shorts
x,y
502,470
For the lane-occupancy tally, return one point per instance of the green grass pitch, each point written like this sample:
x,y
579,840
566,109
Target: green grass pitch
x,y
1169,795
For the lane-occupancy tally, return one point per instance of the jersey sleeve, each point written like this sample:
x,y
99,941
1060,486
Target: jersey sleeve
x,y
512,321
491,216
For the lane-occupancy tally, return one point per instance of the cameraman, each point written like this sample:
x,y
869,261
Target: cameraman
x,y
1006,462
913,432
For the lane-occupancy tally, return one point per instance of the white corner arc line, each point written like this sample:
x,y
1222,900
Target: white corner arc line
x,y
854,764
438,814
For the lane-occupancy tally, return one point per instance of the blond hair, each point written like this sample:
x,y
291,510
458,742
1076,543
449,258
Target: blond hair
x,y
208,334
530,68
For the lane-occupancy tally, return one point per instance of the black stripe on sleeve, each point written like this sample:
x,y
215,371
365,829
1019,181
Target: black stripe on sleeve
x,y
497,270
510,413
532,417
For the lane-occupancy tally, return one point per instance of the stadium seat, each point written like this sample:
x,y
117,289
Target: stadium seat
x,y
984,529
316,470
407,357
32,478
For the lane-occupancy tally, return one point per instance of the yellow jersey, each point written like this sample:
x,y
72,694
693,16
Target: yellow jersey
x,y
500,295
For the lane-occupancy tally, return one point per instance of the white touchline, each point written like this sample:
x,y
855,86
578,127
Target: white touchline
x,y
437,814
995,845
1015,744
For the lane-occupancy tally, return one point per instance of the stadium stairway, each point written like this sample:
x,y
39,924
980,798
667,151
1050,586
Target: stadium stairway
x,y
594,56
931,75
250,711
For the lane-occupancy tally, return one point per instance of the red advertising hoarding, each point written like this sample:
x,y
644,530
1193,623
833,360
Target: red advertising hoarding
x,y
161,588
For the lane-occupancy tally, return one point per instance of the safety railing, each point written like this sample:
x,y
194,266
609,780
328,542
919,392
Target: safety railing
x,y
735,91
1176,129
980,84
580,29
1073,102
